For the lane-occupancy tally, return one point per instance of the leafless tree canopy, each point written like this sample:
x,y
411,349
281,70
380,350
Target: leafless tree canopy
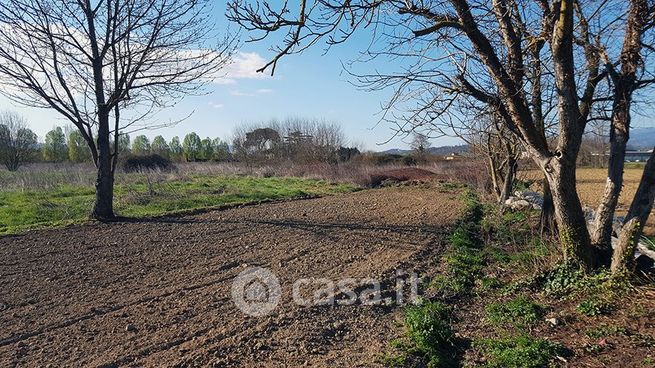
x,y
94,60
73,56
300,140
537,64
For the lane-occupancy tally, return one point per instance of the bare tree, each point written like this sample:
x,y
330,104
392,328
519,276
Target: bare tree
x,y
17,141
420,144
106,65
296,139
488,137
496,52
625,79
642,205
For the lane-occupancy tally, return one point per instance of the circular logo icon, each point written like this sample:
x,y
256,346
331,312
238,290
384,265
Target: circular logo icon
x,y
256,291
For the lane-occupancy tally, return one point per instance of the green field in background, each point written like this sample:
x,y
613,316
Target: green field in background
x,y
21,210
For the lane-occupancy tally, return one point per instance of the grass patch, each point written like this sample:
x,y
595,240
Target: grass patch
x,y
520,312
144,196
464,260
523,351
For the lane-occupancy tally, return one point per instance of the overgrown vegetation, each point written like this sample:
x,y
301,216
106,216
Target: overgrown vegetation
x,y
522,351
514,301
429,330
430,337
150,194
464,260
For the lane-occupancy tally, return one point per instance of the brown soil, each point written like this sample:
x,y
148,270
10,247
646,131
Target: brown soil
x,y
158,292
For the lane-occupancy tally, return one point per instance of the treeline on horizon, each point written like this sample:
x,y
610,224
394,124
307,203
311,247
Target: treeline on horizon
x,y
297,140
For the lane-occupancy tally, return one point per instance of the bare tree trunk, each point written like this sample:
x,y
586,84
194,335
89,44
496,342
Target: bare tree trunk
x,y
625,83
103,208
494,178
509,179
572,226
602,232
637,217
623,255
547,221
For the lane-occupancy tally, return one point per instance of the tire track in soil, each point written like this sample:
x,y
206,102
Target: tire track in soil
x,y
171,279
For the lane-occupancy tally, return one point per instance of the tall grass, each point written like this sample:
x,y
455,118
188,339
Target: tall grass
x,y
51,176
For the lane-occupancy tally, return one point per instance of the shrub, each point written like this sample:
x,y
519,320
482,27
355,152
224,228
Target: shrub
x,y
148,162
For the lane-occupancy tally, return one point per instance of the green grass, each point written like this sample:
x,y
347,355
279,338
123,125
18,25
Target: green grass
x,y
520,312
429,329
523,351
140,197
464,260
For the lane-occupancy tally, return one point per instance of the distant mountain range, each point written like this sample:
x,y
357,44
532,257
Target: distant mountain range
x,y
642,138
441,151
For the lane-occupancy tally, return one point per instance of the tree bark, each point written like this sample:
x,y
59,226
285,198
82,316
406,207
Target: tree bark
x,y
103,209
547,221
640,209
572,226
625,84
508,184
623,255
602,231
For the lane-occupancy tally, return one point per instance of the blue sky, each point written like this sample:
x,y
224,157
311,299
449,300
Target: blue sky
x,y
312,85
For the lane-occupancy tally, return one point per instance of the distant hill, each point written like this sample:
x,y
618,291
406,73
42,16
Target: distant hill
x,y
642,138
441,151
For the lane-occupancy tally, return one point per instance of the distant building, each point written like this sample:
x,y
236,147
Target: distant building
x,y
637,156
630,156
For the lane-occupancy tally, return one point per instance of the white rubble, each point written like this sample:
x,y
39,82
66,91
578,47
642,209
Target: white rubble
x,y
523,200
529,199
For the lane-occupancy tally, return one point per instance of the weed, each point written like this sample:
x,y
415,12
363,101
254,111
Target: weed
x,y
463,237
523,351
464,261
450,286
489,283
450,187
594,307
566,280
393,360
429,329
604,331
496,254
520,312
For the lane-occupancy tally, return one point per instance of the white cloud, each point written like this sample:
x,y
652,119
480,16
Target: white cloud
x,y
238,93
244,65
216,105
261,91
